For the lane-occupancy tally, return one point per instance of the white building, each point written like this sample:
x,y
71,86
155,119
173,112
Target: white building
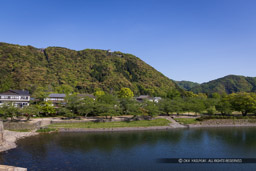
x,y
56,99
18,98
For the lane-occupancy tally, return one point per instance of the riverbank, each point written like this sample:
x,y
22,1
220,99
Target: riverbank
x,y
224,123
123,124
160,123
175,122
114,129
171,126
10,138
141,125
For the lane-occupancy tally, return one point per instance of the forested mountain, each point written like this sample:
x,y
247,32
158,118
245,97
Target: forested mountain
x,y
228,84
26,67
186,85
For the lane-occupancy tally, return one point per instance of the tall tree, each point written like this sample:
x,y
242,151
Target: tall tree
x,y
243,102
125,93
86,106
165,106
73,101
151,108
30,110
130,107
224,106
47,108
9,111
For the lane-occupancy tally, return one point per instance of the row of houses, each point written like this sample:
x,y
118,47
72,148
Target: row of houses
x,y
21,98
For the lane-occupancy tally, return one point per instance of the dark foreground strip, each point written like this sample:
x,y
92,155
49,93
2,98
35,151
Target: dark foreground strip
x,y
207,160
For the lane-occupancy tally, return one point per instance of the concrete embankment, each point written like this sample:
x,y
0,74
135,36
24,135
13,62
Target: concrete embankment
x,y
11,168
22,125
224,123
173,124
7,142
8,138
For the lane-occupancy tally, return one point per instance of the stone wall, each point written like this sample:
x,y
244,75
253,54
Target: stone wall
x,y
21,125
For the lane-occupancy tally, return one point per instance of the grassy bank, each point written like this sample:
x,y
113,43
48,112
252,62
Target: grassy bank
x,y
20,130
142,123
46,130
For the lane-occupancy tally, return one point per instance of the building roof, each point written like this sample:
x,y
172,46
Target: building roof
x,y
53,95
143,97
16,92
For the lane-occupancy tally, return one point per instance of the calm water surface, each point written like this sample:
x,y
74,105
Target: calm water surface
x,y
134,150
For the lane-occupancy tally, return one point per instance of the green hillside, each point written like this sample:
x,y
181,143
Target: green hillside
x,y
186,85
26,67
229,84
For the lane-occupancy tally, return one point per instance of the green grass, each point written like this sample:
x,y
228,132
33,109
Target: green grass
x,y
45,130
20,130
186,120
142,123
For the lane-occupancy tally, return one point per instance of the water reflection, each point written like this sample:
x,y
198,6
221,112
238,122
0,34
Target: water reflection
x,y
59,150
243,137
107,141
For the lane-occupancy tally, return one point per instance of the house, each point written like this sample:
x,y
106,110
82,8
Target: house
x,y
156,99
18,98
142,98
56,99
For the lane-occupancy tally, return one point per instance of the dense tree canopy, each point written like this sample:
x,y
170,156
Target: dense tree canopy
x,y
243,102
62,70
229,84
187,85
109,105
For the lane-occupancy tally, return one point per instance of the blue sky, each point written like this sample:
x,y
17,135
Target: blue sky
x,y
195,40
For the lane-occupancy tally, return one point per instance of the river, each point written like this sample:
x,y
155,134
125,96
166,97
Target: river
x,y
134,150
